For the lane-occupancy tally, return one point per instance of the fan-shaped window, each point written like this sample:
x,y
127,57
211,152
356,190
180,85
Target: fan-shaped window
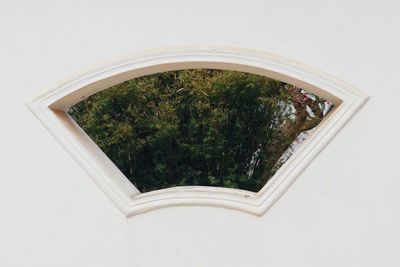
x,y
200,127
198,123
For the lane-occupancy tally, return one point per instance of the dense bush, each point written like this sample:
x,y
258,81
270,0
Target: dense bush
x,y
198,127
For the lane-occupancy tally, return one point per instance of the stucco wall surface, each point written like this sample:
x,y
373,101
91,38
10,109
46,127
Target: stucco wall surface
x,y
342,211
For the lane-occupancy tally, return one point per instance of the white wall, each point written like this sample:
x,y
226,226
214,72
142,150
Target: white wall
x,y
342,211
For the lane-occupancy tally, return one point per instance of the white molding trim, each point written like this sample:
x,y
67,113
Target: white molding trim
x,y
50,106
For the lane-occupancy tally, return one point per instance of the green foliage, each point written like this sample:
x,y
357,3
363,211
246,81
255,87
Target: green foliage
x,y
198,127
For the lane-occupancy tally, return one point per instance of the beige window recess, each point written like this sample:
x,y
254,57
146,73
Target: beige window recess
x,y
51,106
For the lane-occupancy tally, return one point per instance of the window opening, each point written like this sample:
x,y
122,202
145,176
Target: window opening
x,y
200,127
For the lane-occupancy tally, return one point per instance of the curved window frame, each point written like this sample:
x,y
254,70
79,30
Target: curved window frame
x,y
50,107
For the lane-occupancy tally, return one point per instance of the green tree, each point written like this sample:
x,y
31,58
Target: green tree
x,y
199,127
